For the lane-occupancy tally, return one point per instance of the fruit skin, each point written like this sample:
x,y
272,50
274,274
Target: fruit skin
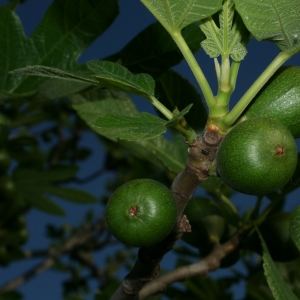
x,y
141,212
280,99
276,234
257,156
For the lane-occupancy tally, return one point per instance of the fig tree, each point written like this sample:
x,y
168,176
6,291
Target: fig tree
x,y
280,99
257,156
141,212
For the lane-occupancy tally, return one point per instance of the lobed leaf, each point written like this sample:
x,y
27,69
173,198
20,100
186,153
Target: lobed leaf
x,y
68,24
279,288
225,40
277,21
174,14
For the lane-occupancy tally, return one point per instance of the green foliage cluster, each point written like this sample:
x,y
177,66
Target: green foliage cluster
x,y
48,101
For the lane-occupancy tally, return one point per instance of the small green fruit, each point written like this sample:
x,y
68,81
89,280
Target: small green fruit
x,y
257,156
141,212
280,99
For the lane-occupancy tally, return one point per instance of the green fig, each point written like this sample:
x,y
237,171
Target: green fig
x,y
257,156
141,212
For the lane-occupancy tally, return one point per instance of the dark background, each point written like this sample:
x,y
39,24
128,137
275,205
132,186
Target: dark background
x,y
132,19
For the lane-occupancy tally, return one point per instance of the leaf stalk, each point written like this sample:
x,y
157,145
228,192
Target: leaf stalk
x,y
194,66
256,87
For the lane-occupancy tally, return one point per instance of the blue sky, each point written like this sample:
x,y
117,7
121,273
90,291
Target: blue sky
x,y
133,18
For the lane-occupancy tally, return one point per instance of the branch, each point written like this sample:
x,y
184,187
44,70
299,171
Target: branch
x,y
199,269
79,238
201,156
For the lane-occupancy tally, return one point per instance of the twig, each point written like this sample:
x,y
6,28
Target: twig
x,y
78,239
201,157
199,269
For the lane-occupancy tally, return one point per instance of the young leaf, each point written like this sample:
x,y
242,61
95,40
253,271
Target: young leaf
x,y
144,127
279,288
175,15
277,21
295,226
178,116
153,51
115,76
225,40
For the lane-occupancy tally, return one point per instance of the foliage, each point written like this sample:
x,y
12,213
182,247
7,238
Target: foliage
x,y
49,103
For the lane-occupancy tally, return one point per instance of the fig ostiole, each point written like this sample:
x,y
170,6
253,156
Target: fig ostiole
x,y
141,212
257,156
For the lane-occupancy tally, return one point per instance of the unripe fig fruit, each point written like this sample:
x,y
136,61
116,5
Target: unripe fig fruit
x,y
280,99
276,234
257,156
141,212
